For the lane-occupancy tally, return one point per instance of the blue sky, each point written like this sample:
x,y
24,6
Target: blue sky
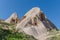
x,y
51,8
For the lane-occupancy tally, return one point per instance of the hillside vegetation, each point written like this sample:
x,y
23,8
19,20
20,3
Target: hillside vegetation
x,y
7,34
54,35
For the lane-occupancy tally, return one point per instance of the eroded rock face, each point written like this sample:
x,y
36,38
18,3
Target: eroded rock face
x,y
13,19
35,23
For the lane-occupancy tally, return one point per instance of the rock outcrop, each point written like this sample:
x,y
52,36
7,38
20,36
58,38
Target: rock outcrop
x,y
33,23
13,19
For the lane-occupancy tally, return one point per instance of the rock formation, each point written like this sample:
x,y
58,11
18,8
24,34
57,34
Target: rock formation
x,y
33,23
13,19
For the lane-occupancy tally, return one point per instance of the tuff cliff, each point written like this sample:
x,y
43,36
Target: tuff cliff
x,y
33,23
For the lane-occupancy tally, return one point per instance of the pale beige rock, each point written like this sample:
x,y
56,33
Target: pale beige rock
x,y
33,23
13,19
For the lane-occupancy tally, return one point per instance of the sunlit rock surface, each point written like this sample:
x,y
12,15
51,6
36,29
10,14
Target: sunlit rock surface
x,y
13,19
33,23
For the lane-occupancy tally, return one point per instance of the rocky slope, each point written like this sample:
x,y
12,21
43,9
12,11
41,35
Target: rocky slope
x,y
33,23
